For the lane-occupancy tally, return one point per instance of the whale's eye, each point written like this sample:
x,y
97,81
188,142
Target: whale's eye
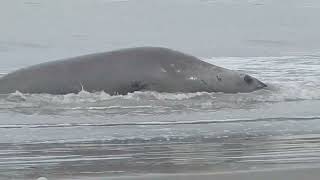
x,y
248,79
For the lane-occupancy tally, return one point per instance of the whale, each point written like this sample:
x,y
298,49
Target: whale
x,y
124,71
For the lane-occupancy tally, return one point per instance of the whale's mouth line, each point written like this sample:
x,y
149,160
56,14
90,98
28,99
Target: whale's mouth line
x,y
261,85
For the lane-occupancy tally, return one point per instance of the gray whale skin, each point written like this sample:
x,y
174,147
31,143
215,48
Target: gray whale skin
x,y
128,70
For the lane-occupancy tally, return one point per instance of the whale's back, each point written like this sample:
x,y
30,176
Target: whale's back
x,y
108,71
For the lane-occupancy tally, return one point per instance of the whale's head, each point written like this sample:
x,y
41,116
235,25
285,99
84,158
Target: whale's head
x,y
234,82
250,83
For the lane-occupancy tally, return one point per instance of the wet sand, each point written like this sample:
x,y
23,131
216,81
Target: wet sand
x,y
282,174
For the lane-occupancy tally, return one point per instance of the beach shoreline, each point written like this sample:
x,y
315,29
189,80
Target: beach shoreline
x,y
266,174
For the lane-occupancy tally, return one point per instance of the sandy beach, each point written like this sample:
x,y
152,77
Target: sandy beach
x,y
275,174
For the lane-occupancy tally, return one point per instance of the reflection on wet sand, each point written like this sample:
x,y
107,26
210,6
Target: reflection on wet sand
x,y
137,156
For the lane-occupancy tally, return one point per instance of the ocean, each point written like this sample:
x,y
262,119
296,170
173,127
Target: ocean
x,y
90,135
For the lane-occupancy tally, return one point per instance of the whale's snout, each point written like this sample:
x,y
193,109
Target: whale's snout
x,y
253,82
261,85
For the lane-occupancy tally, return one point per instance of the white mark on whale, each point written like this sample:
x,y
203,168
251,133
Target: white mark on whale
x,y
193,78
163,70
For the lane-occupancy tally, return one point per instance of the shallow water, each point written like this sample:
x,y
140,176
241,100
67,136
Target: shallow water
x,y
95,134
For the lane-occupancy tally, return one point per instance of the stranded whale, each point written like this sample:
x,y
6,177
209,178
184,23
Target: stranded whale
x,y
128,70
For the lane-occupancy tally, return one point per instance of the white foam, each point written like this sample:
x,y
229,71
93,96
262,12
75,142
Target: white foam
x,y
288,91
42,178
